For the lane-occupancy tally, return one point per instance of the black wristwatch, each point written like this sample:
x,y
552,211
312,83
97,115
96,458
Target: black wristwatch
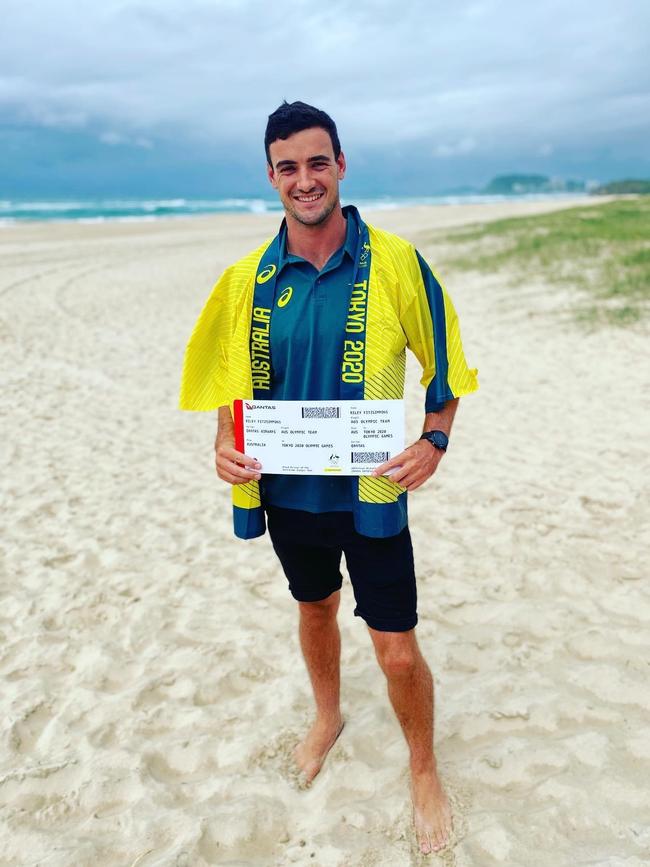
x,y
437,438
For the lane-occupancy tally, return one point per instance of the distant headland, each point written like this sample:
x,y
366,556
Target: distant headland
x,y
520,184
632,185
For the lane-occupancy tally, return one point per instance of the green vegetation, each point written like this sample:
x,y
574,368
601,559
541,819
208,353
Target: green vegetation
x,y
603,250
512,185
632,185
508,184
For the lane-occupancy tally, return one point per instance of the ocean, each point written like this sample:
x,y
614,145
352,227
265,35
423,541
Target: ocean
x,y
14,211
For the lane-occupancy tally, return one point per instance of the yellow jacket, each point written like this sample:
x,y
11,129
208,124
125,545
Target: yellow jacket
x,y
406,307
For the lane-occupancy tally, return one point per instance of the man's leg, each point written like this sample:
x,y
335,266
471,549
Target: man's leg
x,y
320,641
312,566
410,689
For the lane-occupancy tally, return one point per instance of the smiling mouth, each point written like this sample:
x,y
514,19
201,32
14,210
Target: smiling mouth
x,y
307,199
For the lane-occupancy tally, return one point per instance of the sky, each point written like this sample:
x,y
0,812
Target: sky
x,y
170,98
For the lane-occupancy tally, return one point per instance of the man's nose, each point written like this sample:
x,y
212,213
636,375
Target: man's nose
x,y
305,179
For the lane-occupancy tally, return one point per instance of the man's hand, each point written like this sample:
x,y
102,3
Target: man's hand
x,y
232,466
415,465
419,462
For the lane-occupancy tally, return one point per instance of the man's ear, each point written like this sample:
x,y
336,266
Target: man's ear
x,y
271,175
340,162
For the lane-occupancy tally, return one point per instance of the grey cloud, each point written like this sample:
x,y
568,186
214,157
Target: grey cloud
x,y
500,74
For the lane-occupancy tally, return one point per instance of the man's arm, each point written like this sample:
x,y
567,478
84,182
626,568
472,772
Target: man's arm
x,y
419,461
232,466
432,331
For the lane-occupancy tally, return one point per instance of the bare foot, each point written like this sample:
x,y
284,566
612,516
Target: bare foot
x,y
312,751
431,811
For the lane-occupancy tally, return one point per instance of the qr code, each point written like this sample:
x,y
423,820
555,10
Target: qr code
x,y
369,457
321,412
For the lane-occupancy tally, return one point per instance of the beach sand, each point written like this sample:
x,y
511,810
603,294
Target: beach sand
x,y
151,675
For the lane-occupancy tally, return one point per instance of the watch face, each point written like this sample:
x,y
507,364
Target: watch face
x,y
438,438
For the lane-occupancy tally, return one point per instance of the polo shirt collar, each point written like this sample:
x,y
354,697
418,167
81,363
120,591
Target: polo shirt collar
x,y
349,245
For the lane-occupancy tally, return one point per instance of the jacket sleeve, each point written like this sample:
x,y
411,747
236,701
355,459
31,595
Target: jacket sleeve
x,y
433,334
204,381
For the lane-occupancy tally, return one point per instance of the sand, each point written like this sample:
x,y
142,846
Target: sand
x,y
151,676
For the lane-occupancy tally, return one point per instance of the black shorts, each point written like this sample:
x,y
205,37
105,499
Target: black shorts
x,y
309,546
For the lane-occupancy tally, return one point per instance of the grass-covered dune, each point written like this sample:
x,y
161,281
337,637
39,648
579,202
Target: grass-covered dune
x,y
631,185
601,249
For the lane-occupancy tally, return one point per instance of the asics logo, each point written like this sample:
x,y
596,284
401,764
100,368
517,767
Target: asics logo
x,y
266,273
284,299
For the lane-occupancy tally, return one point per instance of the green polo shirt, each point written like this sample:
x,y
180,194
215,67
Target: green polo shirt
x,y
308,323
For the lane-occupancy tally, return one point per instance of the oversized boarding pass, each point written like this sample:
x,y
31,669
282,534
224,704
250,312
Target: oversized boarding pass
x,y
319,437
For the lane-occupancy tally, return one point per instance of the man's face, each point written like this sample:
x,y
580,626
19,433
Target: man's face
x,y
306,175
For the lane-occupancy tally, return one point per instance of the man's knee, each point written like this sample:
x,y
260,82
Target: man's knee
x,y
322,609
397,652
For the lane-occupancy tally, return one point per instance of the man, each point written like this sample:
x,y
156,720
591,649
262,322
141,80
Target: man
x,y
325,311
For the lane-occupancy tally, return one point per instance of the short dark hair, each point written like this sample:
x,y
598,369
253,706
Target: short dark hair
x,y
293,117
